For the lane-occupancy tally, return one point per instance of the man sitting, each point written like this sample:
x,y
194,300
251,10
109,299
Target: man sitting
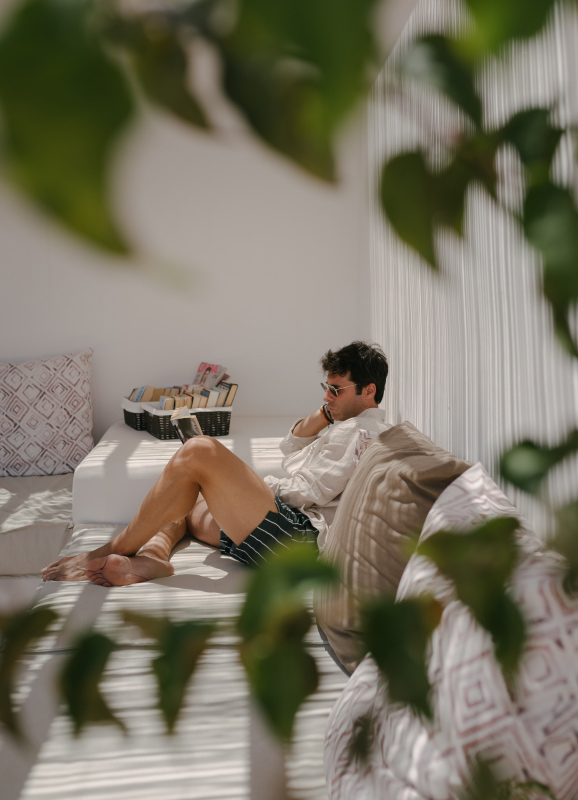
x,y
209,492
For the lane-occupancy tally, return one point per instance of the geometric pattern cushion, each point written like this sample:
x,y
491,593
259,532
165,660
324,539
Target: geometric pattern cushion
x,y
45,415
530,734
470,500
387,500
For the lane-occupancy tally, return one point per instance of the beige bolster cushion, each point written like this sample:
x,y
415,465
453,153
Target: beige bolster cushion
x,y
386,502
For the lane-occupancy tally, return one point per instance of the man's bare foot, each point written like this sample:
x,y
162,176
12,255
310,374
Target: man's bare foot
x,y
70,568
117,570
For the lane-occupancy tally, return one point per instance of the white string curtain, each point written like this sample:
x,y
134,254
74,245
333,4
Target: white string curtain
x,y
474,363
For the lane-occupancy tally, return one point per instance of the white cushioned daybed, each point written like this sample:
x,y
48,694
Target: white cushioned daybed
x,y
219,750
220,747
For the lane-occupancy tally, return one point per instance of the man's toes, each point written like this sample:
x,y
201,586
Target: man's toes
x,y
100,581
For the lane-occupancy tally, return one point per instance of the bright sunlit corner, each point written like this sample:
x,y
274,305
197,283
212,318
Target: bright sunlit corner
x,y
219,579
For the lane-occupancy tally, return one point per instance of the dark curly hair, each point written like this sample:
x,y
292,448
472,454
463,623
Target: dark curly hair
x,y
365,363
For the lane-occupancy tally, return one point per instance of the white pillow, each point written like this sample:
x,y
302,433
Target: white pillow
x,y
45,415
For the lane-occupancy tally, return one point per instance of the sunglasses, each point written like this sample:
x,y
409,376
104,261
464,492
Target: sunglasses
x,y
335,389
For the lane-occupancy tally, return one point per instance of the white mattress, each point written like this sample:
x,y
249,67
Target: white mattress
x,y
214,753
35,521
115,477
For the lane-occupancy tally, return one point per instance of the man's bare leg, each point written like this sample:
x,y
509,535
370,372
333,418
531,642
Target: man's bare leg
x,y
236,497
202,526
151,561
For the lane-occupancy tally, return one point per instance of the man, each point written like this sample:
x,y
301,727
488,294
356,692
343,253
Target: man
x,y
209,492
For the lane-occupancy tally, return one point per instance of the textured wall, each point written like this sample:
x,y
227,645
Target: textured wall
x,y
473,361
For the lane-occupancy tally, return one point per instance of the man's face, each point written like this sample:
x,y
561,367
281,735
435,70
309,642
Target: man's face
x,y
348,403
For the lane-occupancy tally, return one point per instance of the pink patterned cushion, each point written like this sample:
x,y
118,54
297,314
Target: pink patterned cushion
x,y
531,734
45,415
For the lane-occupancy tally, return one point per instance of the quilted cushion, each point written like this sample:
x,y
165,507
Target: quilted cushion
x,y
529,734
387,500
45,415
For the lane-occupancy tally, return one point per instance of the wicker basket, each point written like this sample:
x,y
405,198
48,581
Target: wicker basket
x,y
134,414
213,422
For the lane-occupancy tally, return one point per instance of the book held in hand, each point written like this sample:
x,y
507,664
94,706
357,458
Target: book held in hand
x,y
186,424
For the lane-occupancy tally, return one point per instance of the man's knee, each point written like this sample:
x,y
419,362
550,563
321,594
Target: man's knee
x,y
197,453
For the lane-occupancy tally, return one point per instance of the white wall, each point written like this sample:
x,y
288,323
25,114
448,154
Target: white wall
x,y
268,269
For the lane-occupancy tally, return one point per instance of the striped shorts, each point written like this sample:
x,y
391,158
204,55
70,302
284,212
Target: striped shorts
x,y
277,530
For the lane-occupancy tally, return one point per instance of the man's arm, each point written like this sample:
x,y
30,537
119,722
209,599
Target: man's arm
x,y
323,474
313,424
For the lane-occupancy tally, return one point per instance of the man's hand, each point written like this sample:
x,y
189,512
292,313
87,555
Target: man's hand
x,y
311,425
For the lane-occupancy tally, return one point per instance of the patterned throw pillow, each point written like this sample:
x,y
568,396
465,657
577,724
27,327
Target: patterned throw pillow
x,y
528,731
45,415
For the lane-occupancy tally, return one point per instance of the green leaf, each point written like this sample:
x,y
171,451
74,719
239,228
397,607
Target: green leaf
x,y
535,140
281,673
450,187
406,190
280,584
181,647
434,61
152,627
527,464
473,161
18,632
498,22
565,542
79,682
156,49
284,107
550,221
478,152
396,635
480,564
296,69
334,39
272,626
362,739
64,105
484,785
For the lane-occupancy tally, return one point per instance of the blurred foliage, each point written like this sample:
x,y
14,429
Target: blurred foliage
x,y
80,678
485,785
527,464
479,564
272,626
18,631
362,739
63,107
397,635
180,646
565,542
294,71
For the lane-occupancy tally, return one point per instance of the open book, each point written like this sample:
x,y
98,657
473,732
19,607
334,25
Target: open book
x,y
186,424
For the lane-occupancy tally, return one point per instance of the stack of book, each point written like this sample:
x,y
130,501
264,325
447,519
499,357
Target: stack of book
x,y
211,388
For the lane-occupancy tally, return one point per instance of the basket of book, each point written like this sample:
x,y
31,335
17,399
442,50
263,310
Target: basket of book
x,y
213,421
134,414
149,407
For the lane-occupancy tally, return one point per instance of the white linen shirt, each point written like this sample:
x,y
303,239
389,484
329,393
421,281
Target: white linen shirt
x,y
319,467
